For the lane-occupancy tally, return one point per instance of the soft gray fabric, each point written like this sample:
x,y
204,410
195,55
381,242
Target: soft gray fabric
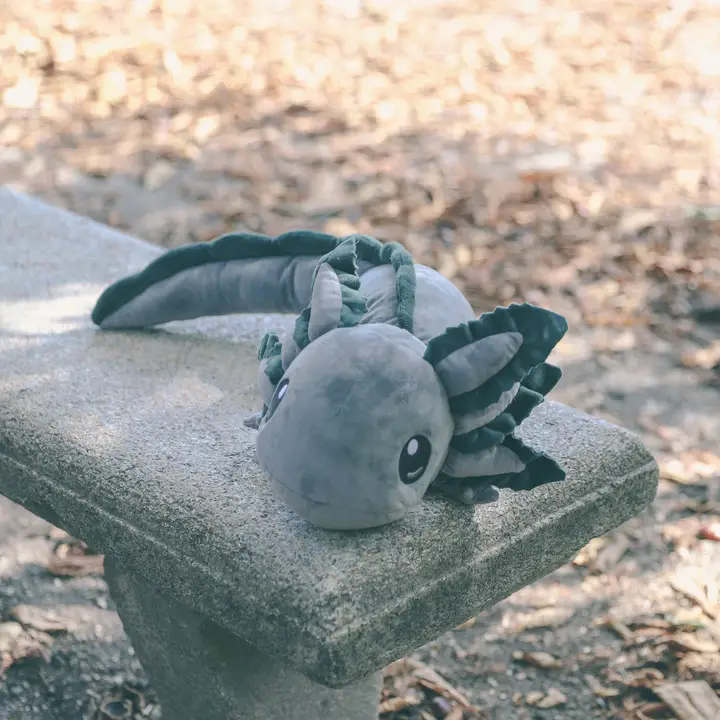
x,y
438,303
496,460
275,284
289,350
471,494
355,397
378,287
326,302
265,386
363,266
483,415
470,366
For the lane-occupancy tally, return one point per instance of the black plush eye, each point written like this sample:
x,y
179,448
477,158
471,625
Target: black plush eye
x,y
414,459
279,394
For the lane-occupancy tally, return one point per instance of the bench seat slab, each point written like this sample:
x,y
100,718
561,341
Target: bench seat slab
x,y
200,670
134,441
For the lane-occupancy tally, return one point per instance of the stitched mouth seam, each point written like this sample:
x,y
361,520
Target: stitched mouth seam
x,y
319,502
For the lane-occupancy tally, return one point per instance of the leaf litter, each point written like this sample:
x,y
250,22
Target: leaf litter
x,y
547,153
18,643
71,558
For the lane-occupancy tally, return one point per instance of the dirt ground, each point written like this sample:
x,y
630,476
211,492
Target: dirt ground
x,y
542,153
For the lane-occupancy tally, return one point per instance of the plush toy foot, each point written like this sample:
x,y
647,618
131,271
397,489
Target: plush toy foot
x,y
253,421
458,489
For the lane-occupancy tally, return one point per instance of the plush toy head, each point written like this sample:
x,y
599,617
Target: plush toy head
x,y
357,428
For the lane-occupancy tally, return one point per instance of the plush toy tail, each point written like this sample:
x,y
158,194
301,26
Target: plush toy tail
x,y
236,273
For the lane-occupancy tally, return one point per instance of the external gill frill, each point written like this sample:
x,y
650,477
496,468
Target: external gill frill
x,y
495,373
336,299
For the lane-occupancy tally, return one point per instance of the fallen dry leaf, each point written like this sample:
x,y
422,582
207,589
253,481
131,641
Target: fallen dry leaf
x,y
534,697
43,619
9,634
599,689
76,565
642,636
538,659
704,358
648,710
710,532
18,643
694,700
552,699
588,553
543,618
58,535
702,507
432,680
23,95
683,533
467,624
690,467
692,591
644,678
399,703
618,627
700,666
687,618
610,554
636,220
693,643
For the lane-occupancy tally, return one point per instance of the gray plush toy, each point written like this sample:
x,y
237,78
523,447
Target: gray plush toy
x,y
388,386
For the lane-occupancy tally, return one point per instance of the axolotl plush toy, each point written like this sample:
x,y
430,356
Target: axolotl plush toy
x,y
388,387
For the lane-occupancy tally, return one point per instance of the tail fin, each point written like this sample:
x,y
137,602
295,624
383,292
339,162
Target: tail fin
x,y
236,273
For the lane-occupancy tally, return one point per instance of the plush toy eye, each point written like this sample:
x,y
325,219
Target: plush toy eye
x,y
414,459
277,397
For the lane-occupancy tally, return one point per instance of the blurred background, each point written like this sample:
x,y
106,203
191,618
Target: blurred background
x,y
563,154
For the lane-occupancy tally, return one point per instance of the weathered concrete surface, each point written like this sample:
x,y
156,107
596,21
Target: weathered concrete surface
x,y
135,442
226,678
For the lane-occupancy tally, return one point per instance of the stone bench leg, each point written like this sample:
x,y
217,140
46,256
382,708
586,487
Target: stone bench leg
x,y
200,670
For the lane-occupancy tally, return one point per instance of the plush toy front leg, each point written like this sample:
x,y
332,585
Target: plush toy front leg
x,y
253,421
458,489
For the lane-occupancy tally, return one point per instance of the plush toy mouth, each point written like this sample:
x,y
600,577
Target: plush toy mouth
x,y
333,517
325,503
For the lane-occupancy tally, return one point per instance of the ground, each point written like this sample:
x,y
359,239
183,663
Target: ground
x,y
569,158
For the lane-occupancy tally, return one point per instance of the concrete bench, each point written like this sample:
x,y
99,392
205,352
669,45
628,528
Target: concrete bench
x,y
135,443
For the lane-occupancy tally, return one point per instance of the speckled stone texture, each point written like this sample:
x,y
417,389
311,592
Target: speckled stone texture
x,y
134,442
226,678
